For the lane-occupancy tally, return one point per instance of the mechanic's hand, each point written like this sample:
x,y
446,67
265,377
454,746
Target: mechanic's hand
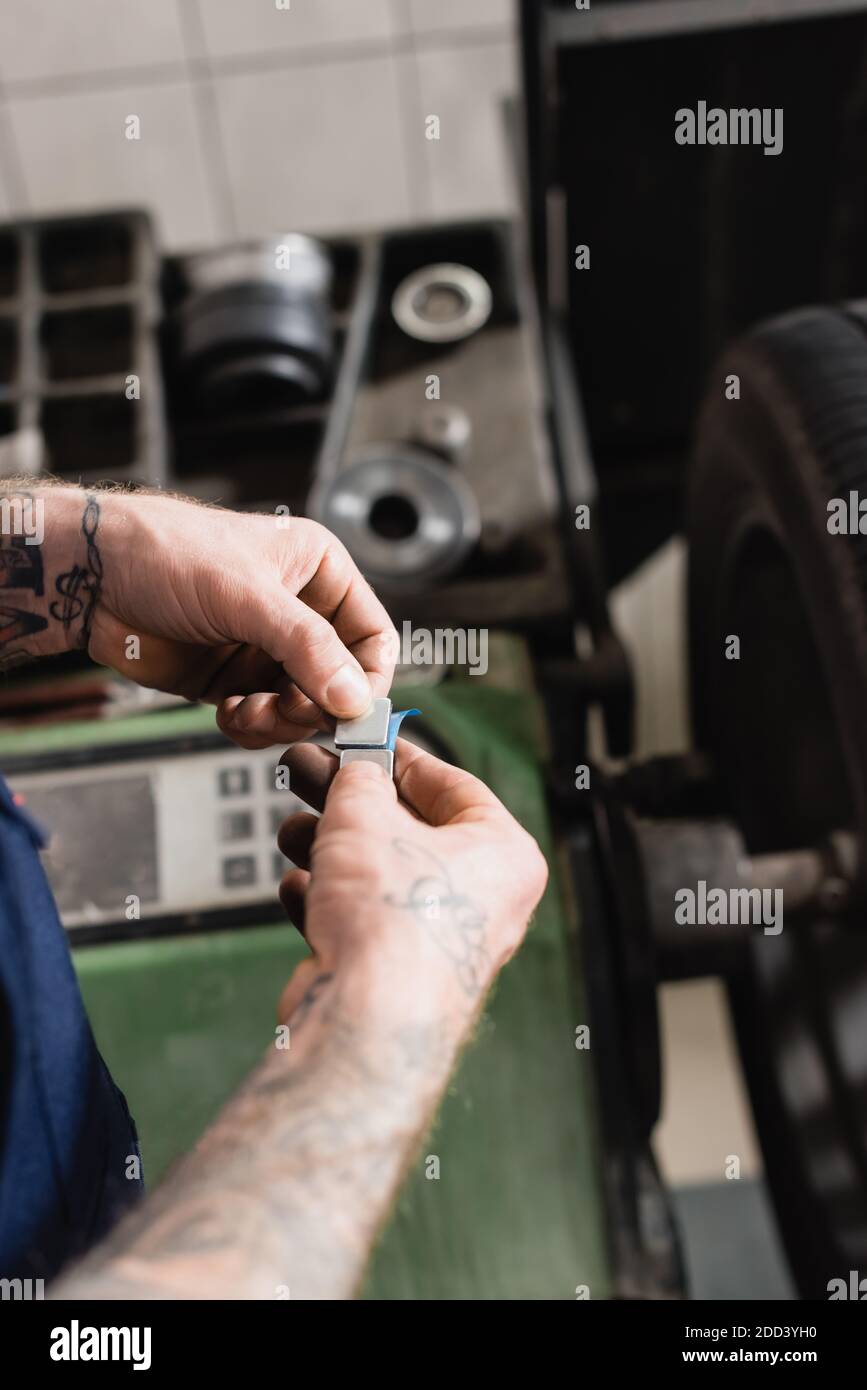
x,y
272,622
422,887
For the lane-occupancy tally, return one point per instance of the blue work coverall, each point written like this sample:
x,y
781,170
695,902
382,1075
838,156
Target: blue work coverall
x,y
66,1135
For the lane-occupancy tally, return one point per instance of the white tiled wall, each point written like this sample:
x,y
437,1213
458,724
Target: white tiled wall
x,y
444,16
234,29
74,154
255,117
334,151
41,40
468,167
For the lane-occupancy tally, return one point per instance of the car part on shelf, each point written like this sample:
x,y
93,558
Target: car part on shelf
x,y
255,326
447,430
407,518
475,407
442,303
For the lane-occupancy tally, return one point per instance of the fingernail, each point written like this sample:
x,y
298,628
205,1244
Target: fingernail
x,y
361,769
348,692
231,717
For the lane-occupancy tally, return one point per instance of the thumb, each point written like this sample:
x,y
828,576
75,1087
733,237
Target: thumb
x,y
360,793
307,647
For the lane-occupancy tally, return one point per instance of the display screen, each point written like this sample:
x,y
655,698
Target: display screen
x,y
102,844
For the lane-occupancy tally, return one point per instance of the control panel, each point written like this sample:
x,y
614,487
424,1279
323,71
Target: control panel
x,y
173,836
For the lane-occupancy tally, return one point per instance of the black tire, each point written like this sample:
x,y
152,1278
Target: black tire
x,y
786,725
764,566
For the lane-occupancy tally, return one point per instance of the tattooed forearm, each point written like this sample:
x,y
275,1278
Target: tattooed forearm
x,y
79,586
452,919
48,544
310,997
20,543
18,623
20,570
290,1185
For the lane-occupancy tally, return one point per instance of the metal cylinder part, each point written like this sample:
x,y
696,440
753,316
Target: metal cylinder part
x,y
256,322
405,517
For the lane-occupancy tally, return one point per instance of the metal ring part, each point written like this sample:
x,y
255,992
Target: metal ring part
x,y
407,519
442,303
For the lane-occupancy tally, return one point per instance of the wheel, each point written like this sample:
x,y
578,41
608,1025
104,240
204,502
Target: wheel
x,y
786,724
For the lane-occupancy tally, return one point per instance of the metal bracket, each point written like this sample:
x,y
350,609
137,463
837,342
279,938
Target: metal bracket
x,y
371,737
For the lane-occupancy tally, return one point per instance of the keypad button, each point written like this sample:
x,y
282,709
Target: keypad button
x,y
239,870
234,781
236,825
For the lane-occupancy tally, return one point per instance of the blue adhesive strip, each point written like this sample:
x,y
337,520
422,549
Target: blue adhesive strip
x,y
394,724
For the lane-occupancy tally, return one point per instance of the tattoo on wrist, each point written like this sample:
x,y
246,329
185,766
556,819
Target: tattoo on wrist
x,y
20,568
451,919
79,587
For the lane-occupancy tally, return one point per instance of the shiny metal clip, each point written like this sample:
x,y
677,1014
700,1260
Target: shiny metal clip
x,y
371,737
